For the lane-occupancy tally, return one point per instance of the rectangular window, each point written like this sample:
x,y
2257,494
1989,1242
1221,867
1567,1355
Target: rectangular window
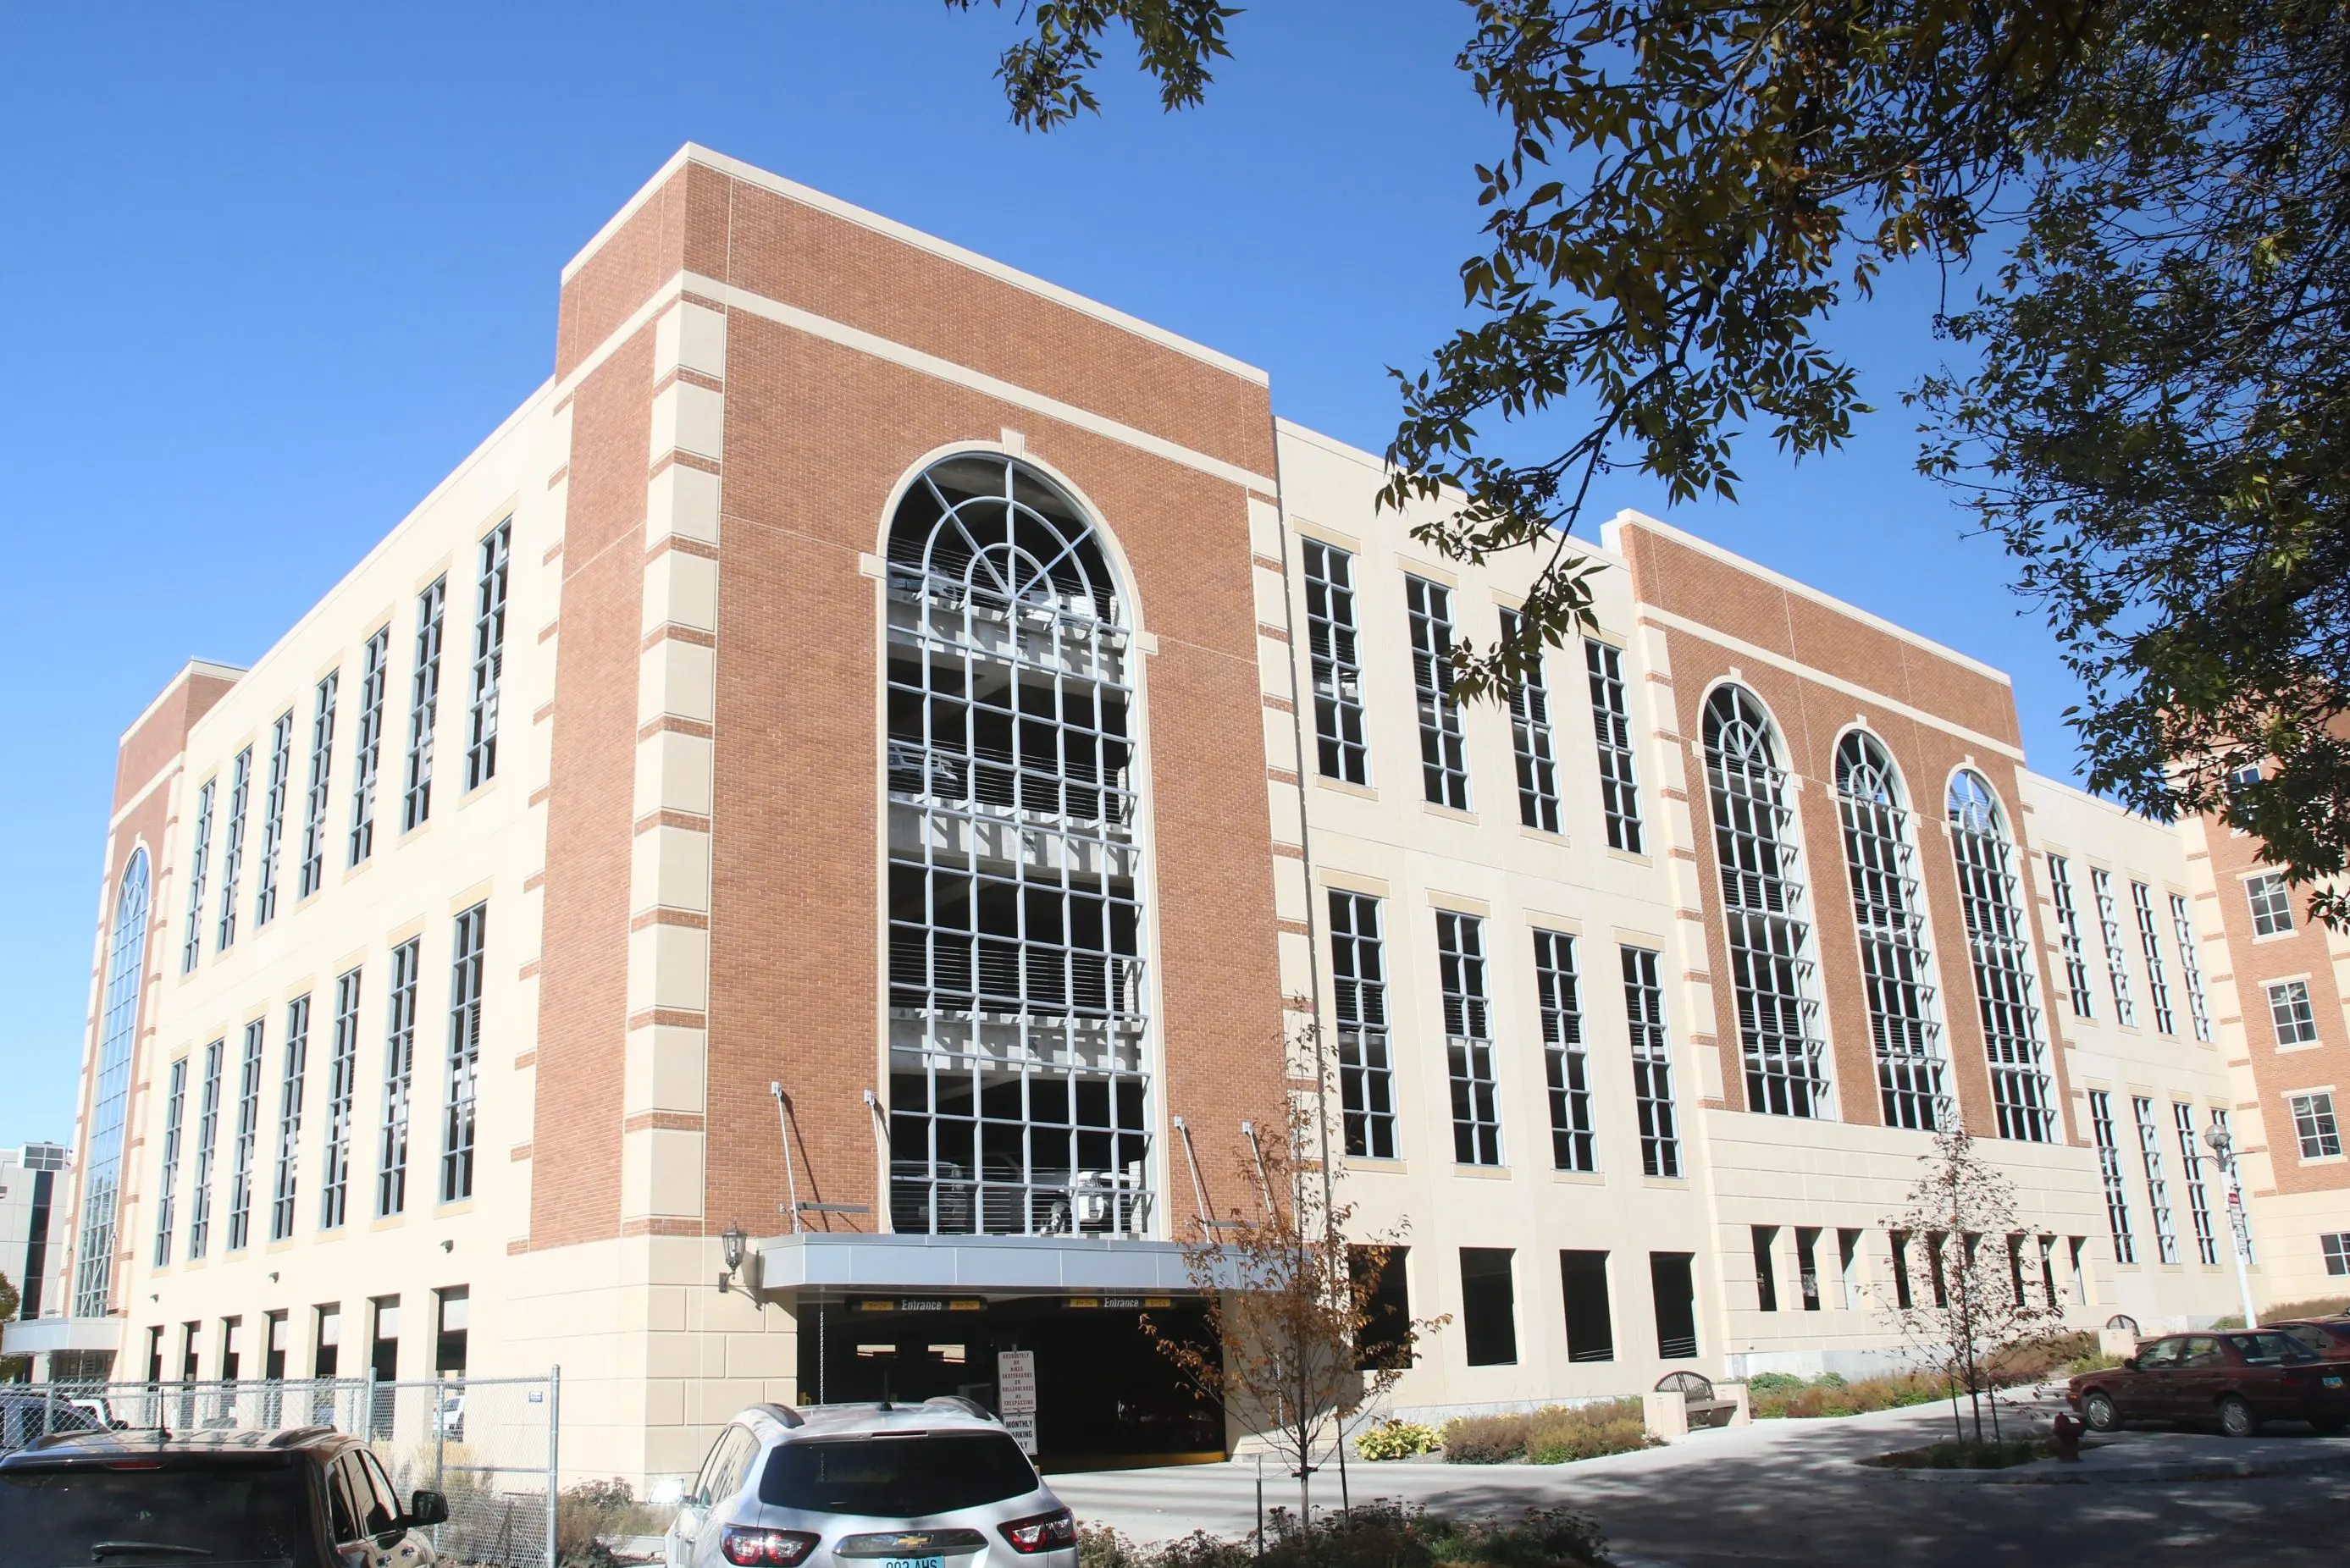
x,y
314,806
453,1308
2068,933
366,757
2335,1249
2198,1205
2313,1124
423,707
2272,905
2157,1189
273,1344
1652,1064
2109,1168
1900,1252
289,1117
1382,1286
1572,1145
240,795
1337,670
1807,1267
1847,1270
1365,1072
1590,1321
342,1090
1468,1038
248,1135
326,1352
2290,1011
272,819
2157,982
1488,1308
197,863
1766,1275
175,1105
2191,968
1530,736
464,1054
2116,969
489,660
399,1076
1611,726
1443,751
1672,1288
200,1193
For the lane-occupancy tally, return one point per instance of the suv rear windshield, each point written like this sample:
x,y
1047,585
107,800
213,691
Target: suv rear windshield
x,y
896,1476
2264,1348
141,1513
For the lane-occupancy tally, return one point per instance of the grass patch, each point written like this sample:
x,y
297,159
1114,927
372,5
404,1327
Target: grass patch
x,y
1553,1435
1376,1535
1967,1456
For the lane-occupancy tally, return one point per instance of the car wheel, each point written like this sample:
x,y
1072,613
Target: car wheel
x,y
2236,1417
2100,1412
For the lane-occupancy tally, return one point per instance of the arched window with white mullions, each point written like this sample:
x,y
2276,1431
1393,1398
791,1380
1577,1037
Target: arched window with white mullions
x,y
1020,1083
110,1099
1763,896
1996,941
1880,858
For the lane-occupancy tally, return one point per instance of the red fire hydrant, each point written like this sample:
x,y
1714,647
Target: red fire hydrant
x,y
2066,1432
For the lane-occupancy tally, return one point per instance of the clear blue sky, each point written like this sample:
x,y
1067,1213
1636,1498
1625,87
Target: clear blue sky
x,y
277,269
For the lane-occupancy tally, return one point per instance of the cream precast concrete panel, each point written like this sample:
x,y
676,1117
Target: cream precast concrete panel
x,y
682,500
669,868
681,590
666,1069
673,774
689,418
677,679
661,1171
691,338
669,967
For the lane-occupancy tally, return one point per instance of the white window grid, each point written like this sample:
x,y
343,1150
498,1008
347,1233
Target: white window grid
x,y
175,1108
2068,935
2116,969
1530,739
248,1138
2157,1188
423,706
2006,997
289,1118
1880,859
1573,1143
2198,1201
200,1191
398,1081
1652,1062
1443,748
2271,904
273,820
367,754
464,1054
342,1095
1468,1038
2335,1248
2191,968
2290,1013
314,806
2158,980
1330,636
489,659
1020,1080
2314,1126
1611,729
240,796
1771,962
2109,1171
199,861
1366,1064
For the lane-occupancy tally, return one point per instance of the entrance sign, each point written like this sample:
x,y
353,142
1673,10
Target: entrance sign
x,y
1016,1397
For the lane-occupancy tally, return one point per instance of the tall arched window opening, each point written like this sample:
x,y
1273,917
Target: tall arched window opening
x,y
1770,933
1985,857
1019,1079
1881,857
101,1182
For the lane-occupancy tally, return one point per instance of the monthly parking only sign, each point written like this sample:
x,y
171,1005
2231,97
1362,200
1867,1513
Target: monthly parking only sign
x,y
1015,1395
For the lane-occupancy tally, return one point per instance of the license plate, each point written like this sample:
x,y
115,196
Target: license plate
x,y
2331,1382
913,1562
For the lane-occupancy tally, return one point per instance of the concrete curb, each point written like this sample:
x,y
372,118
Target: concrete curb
x,y
2048,1472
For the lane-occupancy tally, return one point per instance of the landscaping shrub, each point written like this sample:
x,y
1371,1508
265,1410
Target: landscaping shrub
x,y
1775,1394
2284,1311
1550,1436
591,1510
2038,1361
1395,1440
1967,1456
1486,1439
1378,1535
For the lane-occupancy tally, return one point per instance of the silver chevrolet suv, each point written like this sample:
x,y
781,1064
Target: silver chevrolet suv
x,y
935,1485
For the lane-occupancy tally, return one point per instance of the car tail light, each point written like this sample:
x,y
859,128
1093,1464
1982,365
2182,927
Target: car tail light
x,y
765,1548
1042,1532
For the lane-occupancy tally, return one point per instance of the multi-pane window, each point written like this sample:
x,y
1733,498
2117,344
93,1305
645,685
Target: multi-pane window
x,y
1358,985
2335,1248
342,1093
1468,1038
423,706
1443,750
464,1054
198,861
2068,935
2198,1202
1529,738
2271,904
2290,1011
2157,1189
240,795
1652,1062
489,660
200,1191
176,1109
314,806
1573,1146
2158,980
1611,727
2005,994
1762,901
367,756
1880,858
2109,1169
398,1080
1020,1087
289,1118
2191,968
2314,1126
248,1138
1337,669
272,819
2109,926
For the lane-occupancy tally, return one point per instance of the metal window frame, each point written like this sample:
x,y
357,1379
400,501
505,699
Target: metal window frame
x,y
2333,1247
272,819
366,752
2198,1202
314,812
246,1146
2313,1124
2157,1186
2110,1171
1897,961
110,1101
175,1107
469,941
1469,1064
1443,742
1358,987
1334,658
489,657
2272,903
342,1098
2299,1012
2068,935
240,798
1611,731
1573,1146
1652,1062
2109,928
296,1053
398,1079
2157,981
199,865
2191,967
1531,741
1998,944
423,705
200,1204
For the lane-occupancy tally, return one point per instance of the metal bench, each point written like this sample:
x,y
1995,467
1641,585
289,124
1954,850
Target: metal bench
x,y
1700,1405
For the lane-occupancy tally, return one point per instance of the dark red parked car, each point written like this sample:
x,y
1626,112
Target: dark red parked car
x,y
2237,1379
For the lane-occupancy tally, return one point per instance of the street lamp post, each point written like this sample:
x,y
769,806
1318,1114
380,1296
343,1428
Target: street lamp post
x,y
2222,1145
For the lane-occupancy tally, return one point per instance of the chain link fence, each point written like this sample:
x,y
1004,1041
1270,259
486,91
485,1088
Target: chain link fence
x,y
489,1444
